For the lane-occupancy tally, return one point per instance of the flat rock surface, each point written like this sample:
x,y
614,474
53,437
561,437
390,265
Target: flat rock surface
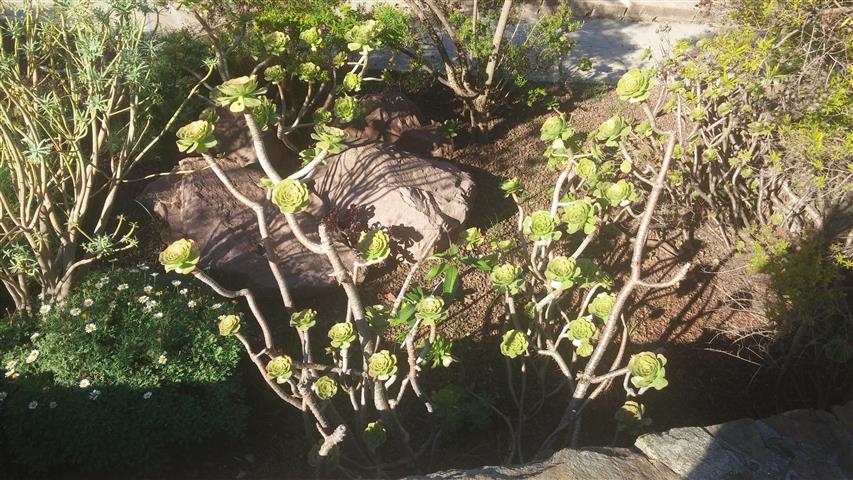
x,y
800,444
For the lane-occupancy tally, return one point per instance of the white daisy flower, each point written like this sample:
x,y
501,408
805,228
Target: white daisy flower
x,y
158,315
74,311
3,396
35,336
148,289
142,299
88,302
151,303
146,395
192,303
53,404
11,364
10,374
104,279
155,274
162,359
45,309
216,306
183,291
33,405
94,394
123,286
85,383
33,356
91,327
176,283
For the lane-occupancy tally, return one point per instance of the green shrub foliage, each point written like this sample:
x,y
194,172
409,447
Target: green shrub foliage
x,y
130,367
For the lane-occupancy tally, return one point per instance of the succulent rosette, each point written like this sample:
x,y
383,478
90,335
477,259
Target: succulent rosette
x,y
209,114
303,319
513,187
377,317
563,272
196,136
274,74
634,86
579,215
325,387
374,435
347,108
229,325
647,370
374,246
506,278
601,306
312,37
322,116
581,330
341,335
239,93
631,416
430,310
362,37
310,72
584,349
541,228
329,138
587,169
644,129
382,365
290,196
555,128
265,114
471,238
514,343
275,42
180,256
621,193
280,368
352,82
612,130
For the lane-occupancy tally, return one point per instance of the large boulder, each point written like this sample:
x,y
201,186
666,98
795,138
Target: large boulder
x,y
393,118
416,199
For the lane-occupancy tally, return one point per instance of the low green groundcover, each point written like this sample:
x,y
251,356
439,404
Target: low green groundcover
x,y
129,368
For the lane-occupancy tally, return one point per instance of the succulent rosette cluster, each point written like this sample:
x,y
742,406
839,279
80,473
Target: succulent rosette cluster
x,y
329,138
325,387
582,333
280,368
541,228
374,246
513,187
274,74
507,278
303,319
310,72
579,215
563,272
275,42
363,36
634,86
377,317
514,343
374,435
382,365
265,114
312,37
239,93
180,256
347,108
351,82
601,306
555,128
229,325
612,130
631,416
621,193
471,238
341,335
196,136
430,310
290,196
647,370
